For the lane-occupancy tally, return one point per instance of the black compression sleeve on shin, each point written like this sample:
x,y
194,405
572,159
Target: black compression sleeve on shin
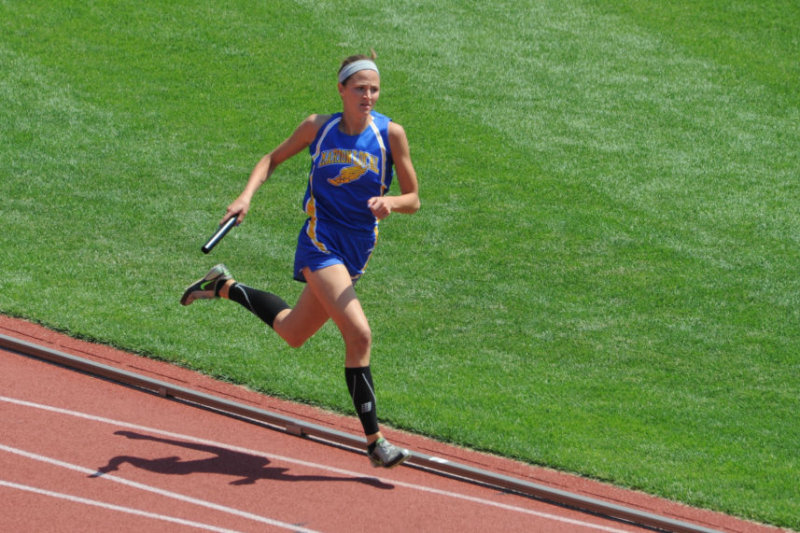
x,y
362,391
264,305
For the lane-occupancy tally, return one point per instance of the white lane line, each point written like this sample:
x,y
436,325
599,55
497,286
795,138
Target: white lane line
x,y
148,488
301,462
112,507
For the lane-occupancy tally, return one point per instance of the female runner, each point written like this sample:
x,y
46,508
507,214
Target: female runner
x,y
353,155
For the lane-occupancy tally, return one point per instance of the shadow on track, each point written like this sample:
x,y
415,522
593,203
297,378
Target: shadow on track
x,y
247,467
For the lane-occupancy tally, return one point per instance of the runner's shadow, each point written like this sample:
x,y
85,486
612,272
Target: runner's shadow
x,y
247,467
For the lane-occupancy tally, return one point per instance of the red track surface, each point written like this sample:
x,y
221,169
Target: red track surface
x,y
173,467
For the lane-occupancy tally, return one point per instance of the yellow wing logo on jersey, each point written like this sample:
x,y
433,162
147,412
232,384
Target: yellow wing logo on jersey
x,y
348,174
358,163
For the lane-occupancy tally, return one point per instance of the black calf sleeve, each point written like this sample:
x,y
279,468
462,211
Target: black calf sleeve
x,y
362,391
264,305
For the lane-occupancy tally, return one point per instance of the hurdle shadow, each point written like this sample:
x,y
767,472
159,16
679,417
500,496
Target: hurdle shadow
x,y
248,468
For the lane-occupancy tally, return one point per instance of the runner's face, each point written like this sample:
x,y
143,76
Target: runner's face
x,y
361,91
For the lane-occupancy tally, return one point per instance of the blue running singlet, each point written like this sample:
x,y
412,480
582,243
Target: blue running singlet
x,y
346,171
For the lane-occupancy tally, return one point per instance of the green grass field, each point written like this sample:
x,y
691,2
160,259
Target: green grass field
x,y
603,277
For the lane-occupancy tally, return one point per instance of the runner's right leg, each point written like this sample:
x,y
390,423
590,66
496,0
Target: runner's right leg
x,y
294,325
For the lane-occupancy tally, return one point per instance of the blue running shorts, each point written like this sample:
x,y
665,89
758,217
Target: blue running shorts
x,y
322,244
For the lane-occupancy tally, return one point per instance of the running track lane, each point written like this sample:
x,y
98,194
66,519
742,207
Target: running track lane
x,y
172,467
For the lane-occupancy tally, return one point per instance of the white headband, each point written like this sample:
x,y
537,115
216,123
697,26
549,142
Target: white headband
x,y
355,66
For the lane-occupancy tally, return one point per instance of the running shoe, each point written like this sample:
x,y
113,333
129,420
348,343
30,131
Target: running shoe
x,y
206,287
387,455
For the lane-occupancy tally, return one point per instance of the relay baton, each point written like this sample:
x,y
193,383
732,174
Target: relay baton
x,y
219,234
